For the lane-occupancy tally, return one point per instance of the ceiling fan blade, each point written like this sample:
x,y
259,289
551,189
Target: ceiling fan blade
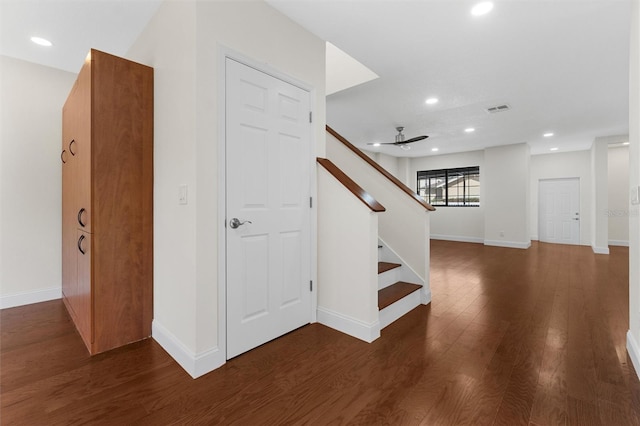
x,y
385,143
416,139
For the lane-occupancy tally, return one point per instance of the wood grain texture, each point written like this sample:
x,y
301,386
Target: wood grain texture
x,y
362,195
395,292
387,266
509,338
404,188
109,115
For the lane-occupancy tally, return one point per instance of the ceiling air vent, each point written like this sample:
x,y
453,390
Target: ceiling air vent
x,y
498,108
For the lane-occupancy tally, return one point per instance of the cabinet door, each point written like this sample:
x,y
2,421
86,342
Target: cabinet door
x,y
82,123
69,257
84,294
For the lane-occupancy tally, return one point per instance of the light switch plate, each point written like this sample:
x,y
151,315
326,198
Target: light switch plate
x,y
635,195
182,194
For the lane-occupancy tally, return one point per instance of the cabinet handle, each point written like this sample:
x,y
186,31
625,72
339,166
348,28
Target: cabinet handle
x,y
82,210
62,156
73,141
80,244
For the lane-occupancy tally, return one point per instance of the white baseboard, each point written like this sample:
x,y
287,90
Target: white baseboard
x,y
425,296
457,238
195,364
634,352
29,297
509,244
399,308
600,250
621,243
348,325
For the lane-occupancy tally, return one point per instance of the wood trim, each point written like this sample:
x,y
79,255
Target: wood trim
x,y
355,189
379,168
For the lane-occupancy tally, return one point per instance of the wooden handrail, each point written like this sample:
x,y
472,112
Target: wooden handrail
x,y
355,189
380,169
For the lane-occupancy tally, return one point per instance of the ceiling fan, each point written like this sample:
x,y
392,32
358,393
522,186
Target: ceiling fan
x,y
400,140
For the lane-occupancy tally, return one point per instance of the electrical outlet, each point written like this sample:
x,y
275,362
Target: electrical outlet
x,y
502,233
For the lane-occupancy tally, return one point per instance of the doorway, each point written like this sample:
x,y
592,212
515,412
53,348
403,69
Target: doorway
x,y
559,211
268,211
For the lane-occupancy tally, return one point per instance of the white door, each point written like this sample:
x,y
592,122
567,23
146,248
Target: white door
x,y
268,168
559,211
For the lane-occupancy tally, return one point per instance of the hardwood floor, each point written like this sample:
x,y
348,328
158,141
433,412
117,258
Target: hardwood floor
x,y
530,337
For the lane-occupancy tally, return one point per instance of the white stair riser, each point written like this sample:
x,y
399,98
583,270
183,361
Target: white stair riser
x,y
389,277
397,309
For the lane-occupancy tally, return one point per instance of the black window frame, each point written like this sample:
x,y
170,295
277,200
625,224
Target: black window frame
x,y
468,200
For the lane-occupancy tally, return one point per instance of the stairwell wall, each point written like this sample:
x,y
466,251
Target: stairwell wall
x,y
405,225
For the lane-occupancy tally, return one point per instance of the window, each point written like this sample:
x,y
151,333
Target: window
x,y
450,187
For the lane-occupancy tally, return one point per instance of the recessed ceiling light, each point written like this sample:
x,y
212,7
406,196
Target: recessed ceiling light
x,y
482,8
548,135
434,149
469,130
41,41
431,101
376,144
553,149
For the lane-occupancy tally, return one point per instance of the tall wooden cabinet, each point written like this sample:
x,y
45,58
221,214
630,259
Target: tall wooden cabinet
x,y
107,202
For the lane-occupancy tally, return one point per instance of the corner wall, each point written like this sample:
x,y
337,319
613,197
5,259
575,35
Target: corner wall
x,y
31,103
599,198
507,214
183,42
633,336
618,200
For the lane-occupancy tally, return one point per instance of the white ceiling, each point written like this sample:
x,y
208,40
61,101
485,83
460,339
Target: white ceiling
x,y
562,65
73,26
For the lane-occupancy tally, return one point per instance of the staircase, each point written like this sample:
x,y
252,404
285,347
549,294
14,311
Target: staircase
x,y
396,297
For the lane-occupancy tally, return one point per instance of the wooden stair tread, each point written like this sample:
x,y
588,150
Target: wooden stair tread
x,y
395,292
387,266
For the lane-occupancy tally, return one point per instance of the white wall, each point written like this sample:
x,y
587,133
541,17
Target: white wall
x,y
561,165
31,100
506,194
453,223
404,226
347,261
389,163
599,199
183,43
633,336
618,189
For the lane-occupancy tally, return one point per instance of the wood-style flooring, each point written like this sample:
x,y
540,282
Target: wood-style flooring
x,y
512,337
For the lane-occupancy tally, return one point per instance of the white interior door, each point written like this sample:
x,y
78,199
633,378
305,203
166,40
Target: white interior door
x,y
268,168
559,211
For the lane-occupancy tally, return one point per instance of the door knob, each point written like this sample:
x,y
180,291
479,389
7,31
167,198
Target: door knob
x,y
235,222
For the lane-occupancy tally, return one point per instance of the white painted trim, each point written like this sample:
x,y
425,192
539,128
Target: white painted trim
x,y
600,250
509,244
194,364
29,297
349,325
534,238
425,296
225,52
621,243
405,273
457,238
634,352
399,308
